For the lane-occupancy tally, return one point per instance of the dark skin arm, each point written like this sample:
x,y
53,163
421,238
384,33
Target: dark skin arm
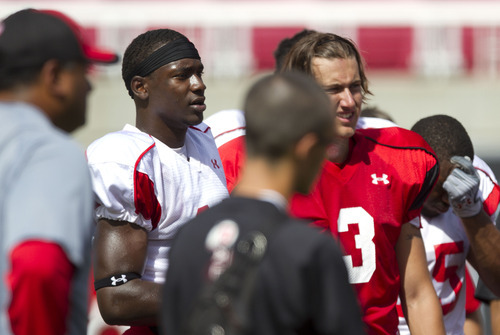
x,y
121,247
495,317
484,254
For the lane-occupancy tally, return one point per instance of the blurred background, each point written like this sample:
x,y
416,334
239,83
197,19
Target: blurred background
x,y
423,57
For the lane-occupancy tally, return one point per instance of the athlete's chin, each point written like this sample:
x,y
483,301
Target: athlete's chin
x,y
195,119
346,132
347,126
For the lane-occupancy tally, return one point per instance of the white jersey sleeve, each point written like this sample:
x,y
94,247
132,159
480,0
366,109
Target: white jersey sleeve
x,y
226,125
122,167
374,122
481,165
141,180
489,191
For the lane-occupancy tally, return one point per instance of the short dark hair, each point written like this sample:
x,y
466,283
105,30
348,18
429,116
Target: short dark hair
x,y
141,47
446,136
323,45
373,111
25,75
280,109
285,45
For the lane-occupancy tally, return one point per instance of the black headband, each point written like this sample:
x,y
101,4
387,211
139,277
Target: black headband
x,y
177,49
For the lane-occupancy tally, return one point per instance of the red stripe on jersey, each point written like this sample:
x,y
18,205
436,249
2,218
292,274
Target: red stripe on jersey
x,y
145,200
201,209
400,311
203,131
443,272
229,131
471,303
490,204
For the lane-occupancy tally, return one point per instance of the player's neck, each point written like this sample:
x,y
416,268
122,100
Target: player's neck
x,y
257,176
170,136
339,151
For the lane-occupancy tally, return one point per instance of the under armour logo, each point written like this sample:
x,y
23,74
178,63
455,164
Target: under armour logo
x,y
383,179
114,280
214,163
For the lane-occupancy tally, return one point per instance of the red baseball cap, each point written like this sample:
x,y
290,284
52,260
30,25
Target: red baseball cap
x,y
30,37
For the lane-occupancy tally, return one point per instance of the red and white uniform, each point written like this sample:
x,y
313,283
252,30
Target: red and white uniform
x,y
365,122
364,202
228,129
471,302
447,246
137,178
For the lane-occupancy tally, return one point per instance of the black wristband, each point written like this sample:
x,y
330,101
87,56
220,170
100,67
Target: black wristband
x,y
115,280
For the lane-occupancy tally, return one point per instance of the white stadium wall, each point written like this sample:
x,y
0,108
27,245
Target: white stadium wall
x,y
432,38
423,57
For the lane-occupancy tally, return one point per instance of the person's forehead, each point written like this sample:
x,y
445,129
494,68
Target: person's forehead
x,y
334,61
335,68
445,168
185,63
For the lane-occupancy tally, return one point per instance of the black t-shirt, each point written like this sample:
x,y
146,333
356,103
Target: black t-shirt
x,y
301,284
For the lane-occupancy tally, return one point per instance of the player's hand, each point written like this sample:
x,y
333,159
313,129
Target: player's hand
x,y
462,186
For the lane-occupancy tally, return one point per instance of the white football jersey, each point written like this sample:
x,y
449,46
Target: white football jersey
x,y
138,179
446,246
365,122
226,125
229,124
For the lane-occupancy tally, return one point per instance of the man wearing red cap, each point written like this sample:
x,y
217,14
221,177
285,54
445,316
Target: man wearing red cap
x,y
45,195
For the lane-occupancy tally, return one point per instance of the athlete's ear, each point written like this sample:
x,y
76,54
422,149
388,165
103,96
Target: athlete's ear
x,y
50,77
305,146
139,87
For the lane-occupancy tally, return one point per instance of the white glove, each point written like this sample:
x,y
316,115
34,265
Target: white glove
x,y
462,186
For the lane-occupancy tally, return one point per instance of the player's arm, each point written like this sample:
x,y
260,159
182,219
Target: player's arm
x,y
418,298
121,248
473,323
462,186
473,317
495,316
484,254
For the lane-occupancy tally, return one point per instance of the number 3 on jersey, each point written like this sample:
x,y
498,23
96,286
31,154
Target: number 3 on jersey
x,y
360,259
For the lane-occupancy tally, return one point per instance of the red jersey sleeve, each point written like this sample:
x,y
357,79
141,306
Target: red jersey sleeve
x,y
39,281
232,155
413,159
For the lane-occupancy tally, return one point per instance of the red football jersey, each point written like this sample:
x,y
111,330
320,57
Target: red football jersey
x,y
364,202
232,155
